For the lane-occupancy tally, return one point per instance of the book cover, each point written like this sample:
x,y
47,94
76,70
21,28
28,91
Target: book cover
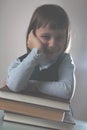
x,y
34,98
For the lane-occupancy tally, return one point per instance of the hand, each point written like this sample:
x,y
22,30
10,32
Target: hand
x,y
34,42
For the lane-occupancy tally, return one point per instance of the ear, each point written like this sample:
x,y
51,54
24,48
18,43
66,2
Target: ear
x,y
27,48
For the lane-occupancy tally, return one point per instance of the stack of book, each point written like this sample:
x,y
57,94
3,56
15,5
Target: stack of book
x,y
34,109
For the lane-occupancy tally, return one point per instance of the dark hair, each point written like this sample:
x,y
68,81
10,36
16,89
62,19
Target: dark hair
x,y
53,15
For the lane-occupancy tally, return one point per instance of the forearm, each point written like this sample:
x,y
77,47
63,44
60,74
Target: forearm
x,y
19,73
62,89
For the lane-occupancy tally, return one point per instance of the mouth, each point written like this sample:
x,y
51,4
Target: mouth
x,y
48,50
51,50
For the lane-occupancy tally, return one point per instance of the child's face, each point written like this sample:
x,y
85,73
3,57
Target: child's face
x,y
53,39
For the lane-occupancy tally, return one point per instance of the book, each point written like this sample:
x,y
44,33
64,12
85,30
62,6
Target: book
x,y
28,120
31,110
35,98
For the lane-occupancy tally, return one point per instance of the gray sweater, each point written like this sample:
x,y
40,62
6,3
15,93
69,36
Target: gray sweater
x,y
19,73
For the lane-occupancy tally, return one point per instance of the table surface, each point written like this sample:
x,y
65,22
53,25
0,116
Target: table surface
x,y
80,125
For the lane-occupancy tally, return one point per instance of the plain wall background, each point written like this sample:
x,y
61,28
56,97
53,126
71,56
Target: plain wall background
x,y
14,20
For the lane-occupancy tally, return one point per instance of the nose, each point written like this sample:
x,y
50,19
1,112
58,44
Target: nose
x,y
52,42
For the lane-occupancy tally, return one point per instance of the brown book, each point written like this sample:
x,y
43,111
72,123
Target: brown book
x,y
35,98
32,110
18,118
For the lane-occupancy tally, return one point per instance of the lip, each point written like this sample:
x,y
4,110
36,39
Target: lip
x,y
50,51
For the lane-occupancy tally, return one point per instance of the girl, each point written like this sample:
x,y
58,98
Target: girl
x,y
46,67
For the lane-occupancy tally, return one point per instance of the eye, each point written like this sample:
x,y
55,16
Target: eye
x,y
60,38
46,37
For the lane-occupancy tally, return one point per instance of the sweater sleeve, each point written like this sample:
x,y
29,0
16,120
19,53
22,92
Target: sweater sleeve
x,y
65,86
19,72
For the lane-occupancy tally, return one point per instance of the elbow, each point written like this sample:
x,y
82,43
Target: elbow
x,y
68,95
12,86
15,86
70,89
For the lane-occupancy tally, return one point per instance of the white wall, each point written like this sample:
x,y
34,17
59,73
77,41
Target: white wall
x,y
14,19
